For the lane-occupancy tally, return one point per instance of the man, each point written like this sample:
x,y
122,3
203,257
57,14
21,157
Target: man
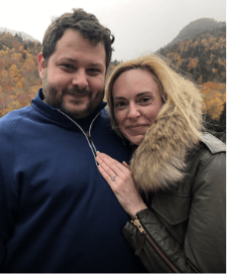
x,y
57,214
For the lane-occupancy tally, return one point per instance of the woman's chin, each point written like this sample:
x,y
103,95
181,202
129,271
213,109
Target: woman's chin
x,y
136,140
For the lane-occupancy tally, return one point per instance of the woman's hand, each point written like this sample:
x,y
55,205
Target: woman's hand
x,y
119,178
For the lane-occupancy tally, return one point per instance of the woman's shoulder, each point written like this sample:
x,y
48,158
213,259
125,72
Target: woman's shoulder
x,y
212,143
210,150
208,147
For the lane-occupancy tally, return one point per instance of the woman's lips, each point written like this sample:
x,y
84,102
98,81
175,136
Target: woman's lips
x,y
137,129
137,126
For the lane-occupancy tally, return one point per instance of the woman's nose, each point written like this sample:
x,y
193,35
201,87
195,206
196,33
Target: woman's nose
x,y
133,111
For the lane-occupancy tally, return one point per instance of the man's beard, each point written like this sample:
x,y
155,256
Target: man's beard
x,y
54,97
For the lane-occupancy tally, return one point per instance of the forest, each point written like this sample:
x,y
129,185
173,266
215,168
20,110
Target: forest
x,y
203,60
201,57
19,78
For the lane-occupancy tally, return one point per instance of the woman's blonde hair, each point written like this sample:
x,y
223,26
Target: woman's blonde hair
x,y
178,94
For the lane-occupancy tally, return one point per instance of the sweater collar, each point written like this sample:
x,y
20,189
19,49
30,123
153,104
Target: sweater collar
x,y
52,114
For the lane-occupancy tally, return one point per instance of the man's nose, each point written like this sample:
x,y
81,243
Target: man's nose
x,y
80,79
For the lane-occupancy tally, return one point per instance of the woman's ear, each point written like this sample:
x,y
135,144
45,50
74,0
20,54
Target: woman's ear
x,y
41,64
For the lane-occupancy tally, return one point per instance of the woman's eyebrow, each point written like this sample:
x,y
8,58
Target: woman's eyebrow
x,y
144,93
119,98
137,95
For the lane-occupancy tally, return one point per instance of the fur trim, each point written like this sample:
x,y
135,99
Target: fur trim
x,y
159,161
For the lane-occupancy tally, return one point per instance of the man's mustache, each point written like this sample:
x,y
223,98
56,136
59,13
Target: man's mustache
x,y
76,90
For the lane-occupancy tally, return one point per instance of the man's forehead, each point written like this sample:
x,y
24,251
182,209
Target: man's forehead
x,y
73,35
72,47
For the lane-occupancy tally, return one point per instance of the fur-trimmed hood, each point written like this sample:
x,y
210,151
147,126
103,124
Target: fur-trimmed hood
x,y
159,161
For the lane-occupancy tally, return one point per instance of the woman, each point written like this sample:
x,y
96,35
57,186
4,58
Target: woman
x,y
174,189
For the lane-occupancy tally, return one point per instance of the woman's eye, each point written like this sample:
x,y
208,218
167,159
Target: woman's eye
x,y
145,100
119,105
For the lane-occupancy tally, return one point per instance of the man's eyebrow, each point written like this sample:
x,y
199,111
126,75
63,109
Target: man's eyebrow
x,y
68,60
96,64
71,60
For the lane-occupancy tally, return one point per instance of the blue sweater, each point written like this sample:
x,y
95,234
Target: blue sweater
x,y
57,213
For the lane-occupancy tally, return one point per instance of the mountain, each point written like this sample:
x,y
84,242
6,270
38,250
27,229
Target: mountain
x,y
23,35
199,53
194,28
202,52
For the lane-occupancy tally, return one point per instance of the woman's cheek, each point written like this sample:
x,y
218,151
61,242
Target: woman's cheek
x,y
119,117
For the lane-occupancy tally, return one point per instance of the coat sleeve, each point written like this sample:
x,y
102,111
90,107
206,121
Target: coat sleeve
x,y
203,249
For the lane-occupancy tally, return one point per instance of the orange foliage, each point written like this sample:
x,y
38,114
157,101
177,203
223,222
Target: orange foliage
x,y
214,95
19,78
192,64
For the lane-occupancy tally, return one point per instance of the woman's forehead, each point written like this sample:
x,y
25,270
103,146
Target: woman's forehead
x,y
134,81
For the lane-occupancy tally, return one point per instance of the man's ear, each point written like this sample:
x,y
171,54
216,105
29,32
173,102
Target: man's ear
x,y
42,65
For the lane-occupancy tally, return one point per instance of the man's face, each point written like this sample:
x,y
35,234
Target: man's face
x,y
74,78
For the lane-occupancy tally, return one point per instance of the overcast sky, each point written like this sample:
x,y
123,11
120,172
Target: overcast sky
x,y
139,26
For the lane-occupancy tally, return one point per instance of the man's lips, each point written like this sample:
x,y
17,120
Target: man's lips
x,y
77,94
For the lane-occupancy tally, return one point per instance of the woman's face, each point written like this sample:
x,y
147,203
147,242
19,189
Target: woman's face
x,y
137,102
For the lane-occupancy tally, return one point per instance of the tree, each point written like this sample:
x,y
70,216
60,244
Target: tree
x,y
223,123
222,119
24,56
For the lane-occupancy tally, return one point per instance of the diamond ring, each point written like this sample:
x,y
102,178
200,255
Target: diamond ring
x,y
113,177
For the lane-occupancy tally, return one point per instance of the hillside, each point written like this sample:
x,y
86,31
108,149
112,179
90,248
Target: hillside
x,y
196,27
19,78
202,57
23,35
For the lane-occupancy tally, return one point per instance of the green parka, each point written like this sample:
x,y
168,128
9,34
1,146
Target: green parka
x,y
183,230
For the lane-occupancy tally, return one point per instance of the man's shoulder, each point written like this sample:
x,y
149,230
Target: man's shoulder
x,y
9,121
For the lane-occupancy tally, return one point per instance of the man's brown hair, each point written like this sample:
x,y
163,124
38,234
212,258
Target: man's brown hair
x,y
87,24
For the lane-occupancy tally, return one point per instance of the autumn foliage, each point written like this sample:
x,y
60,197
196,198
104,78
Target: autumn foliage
x,y
204,56
203,60
19,78
214,97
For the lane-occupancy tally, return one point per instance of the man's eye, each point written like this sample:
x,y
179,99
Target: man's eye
x,y
67,66
93,71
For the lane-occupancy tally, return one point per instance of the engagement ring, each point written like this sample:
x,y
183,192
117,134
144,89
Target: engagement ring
x,y
113,177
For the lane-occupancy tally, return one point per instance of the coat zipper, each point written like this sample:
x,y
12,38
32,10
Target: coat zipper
x,y
87,134
138,224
